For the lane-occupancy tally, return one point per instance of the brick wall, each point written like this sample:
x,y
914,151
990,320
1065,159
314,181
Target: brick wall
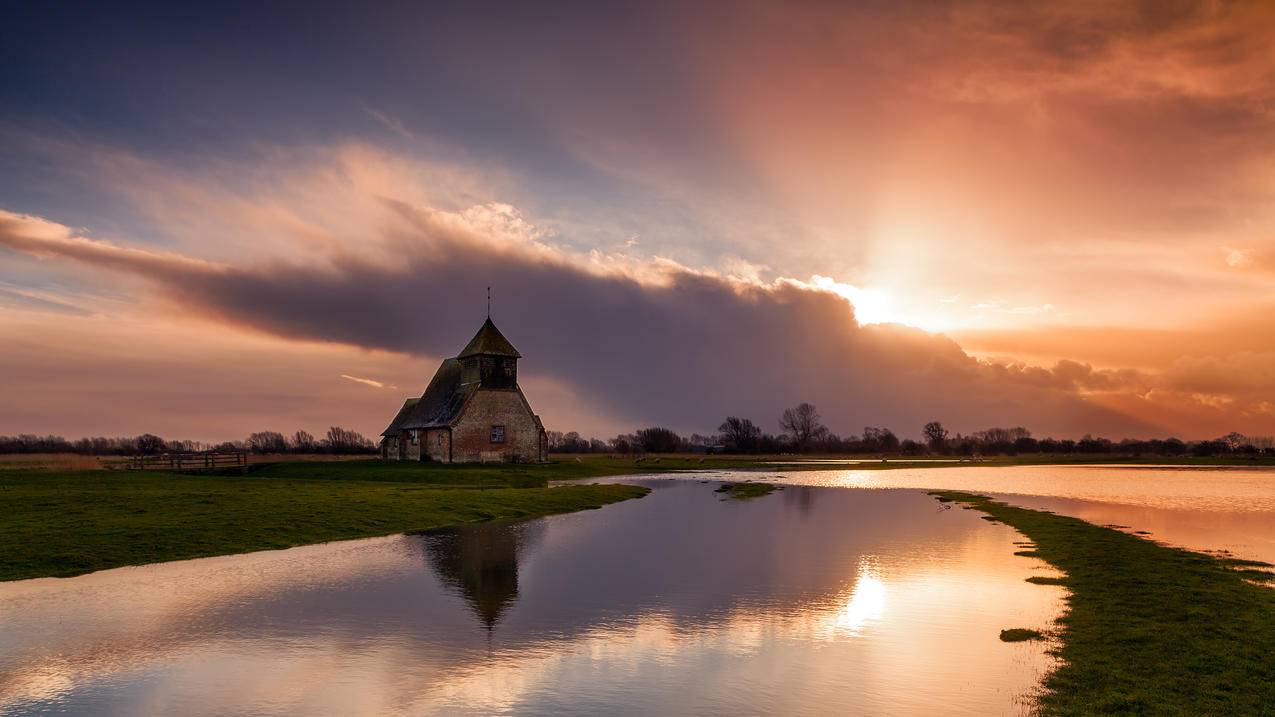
x,y
471,435
437,444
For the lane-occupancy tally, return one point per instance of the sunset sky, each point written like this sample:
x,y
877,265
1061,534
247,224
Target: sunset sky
x,y
252,217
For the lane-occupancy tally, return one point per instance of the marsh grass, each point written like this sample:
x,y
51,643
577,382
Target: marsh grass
x,y
1148,629
67,523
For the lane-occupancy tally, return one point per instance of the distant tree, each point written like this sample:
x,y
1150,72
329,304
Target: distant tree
x,y
1089,444
910,447
935,435
1234,441
624,443
150,444
267,442
1000,440
303,442
341,440
740,433
657,439
1026,444
879,440
802,424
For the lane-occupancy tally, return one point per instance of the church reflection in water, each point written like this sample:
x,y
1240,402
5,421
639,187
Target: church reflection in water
x,y
481,563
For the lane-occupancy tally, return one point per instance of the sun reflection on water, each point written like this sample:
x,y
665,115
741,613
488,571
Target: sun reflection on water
x,y
866,605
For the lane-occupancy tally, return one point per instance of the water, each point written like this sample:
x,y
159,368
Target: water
x,y
807,601
1208,509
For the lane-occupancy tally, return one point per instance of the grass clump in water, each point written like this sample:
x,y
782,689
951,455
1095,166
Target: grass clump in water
x,y
1042,580
1021,634
745,491
1148,629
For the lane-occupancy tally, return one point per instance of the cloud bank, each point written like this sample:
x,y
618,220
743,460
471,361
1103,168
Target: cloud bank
x,y
652,343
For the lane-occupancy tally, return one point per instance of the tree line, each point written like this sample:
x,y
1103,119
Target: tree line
x,y
802,431
338,441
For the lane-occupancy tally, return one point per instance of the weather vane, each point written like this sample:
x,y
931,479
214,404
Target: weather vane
x,y
489,302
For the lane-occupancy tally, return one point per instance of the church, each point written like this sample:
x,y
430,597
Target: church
x,y
472,411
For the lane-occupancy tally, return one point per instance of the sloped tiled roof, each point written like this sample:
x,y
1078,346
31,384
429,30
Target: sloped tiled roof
x,y
489,341
398,417
439,405
442,400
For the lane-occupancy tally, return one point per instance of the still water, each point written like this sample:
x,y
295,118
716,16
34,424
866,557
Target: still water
x,y
1206,509
812,600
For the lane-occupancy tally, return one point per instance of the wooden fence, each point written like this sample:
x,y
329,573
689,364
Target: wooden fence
x,y
188,462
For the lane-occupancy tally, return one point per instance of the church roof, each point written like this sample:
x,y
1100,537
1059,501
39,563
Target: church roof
x,y
439,405
489,341
402,414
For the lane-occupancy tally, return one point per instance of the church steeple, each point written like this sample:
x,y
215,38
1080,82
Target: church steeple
x,y
489,342
489,359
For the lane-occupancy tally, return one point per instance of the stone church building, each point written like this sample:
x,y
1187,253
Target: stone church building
x,y
472,411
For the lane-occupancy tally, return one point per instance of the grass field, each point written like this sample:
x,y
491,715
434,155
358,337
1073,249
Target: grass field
x,y
1149,629
66,523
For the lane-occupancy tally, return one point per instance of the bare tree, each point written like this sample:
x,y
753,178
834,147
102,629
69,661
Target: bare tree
x,y
303,442
803,423
267,442
741,433
658,439
935,435
150,444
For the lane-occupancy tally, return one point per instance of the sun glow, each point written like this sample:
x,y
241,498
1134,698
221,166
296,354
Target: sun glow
x,y
876,306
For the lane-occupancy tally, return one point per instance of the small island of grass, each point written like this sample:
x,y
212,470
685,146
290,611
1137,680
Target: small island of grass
x,y
746,490
1021,634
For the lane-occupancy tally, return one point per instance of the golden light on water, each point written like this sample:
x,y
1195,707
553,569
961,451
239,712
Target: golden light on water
x,y
867,603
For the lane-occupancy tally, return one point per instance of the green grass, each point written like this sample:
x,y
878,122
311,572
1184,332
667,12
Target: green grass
x,y
1148,629
745,491
67,523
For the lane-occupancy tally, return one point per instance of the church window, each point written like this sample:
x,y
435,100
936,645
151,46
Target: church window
x,y
497,434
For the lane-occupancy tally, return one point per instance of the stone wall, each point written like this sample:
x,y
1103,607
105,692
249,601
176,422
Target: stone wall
x,y
471,435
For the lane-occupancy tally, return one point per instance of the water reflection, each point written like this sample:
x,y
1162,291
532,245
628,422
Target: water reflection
x,y
809,601
866,604
1202,508
481,562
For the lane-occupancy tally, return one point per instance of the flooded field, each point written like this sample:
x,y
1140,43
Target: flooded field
x,y
1207,509
812,600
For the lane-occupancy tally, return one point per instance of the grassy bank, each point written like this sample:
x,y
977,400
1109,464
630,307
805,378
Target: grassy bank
x,y
1148,629
67,523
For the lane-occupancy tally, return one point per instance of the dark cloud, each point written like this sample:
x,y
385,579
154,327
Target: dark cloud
x,y
684,350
